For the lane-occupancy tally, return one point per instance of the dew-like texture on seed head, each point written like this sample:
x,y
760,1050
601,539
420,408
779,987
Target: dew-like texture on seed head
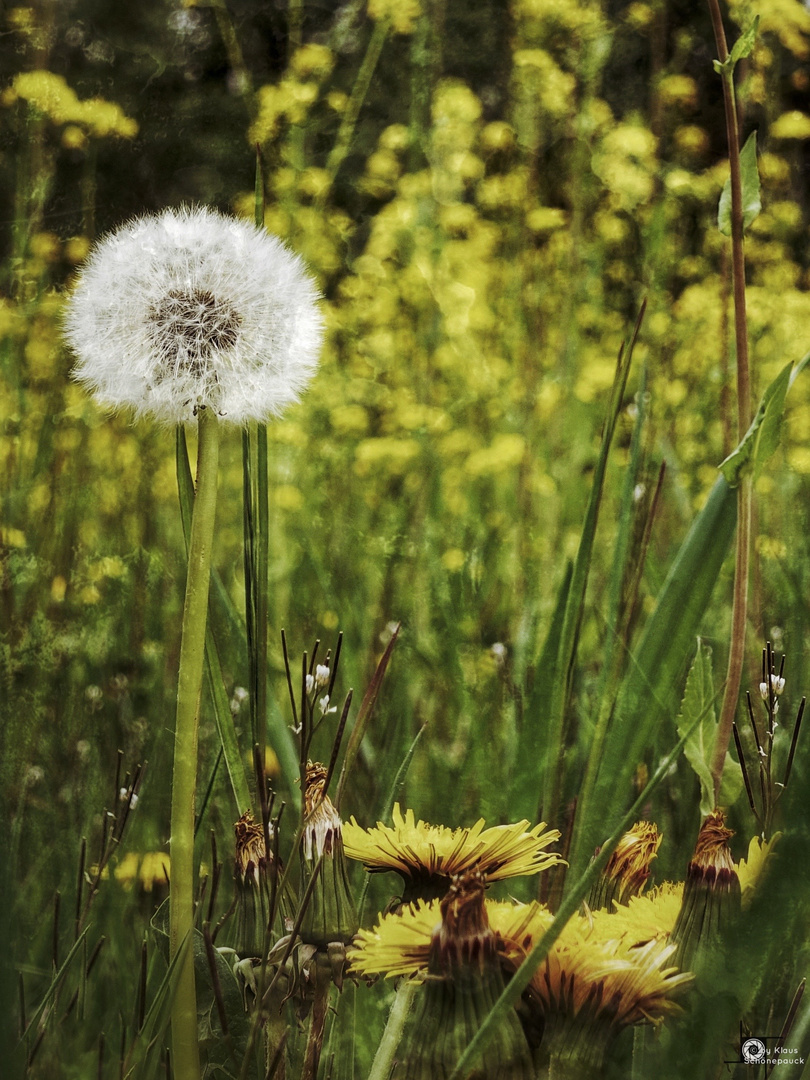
x,y
191,308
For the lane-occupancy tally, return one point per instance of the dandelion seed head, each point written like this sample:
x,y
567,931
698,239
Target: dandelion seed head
x,y
191,309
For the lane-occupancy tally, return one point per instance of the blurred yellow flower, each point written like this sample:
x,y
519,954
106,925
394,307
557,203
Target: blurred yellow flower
x,y
505,452
453,560
402,13
50,94
313,60
791,125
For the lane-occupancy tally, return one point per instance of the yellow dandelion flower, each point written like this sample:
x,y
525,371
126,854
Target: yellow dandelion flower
x,y
453,941
399,944
642,918
605,972
427,856
750,870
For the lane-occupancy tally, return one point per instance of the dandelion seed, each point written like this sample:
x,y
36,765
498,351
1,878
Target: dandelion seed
x,y
191,309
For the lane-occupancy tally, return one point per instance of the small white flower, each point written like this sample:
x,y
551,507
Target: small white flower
x,y
322,674
323,705
190,309
310,683
498,652
777,686
240,696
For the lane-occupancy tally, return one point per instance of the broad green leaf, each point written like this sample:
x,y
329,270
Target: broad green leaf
x,y
744,45
731,782
751,202
762,437
697,716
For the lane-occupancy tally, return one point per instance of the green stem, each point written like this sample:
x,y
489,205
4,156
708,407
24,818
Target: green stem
x,y
744,493
392,1036
317,1019
185,1052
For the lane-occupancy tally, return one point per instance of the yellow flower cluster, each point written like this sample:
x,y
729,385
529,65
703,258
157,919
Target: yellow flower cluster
x,y
51,95
403,14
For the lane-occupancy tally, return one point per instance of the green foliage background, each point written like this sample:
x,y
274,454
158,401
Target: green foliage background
x,y
485,192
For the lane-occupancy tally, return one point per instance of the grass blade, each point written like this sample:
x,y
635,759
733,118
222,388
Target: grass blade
x,y
364,715
653,684
560,691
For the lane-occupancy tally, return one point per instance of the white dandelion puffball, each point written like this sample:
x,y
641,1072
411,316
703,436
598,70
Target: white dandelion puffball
x,y
190,308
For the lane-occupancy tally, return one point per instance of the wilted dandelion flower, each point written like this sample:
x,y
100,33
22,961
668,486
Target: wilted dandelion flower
x,y
427,857
628,868
330,915
189,309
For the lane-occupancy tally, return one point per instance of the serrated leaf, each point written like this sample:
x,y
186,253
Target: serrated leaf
x,y
697,714
762,437
744,45
749,177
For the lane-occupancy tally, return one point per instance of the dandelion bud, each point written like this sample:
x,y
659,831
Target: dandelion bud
x,y
330,915
190,309
253,867
628,868
711,893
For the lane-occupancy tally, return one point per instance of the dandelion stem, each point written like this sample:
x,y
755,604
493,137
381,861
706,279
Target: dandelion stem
x,y
744,492
392,1036
185,1052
